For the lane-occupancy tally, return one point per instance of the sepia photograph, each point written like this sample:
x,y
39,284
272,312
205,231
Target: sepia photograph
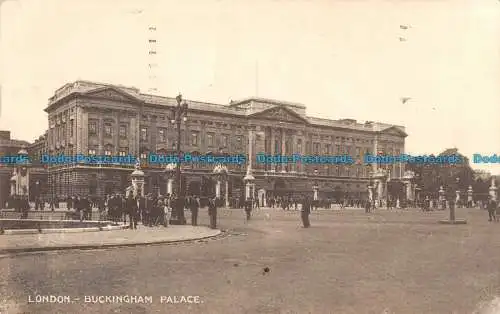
x,y
265,156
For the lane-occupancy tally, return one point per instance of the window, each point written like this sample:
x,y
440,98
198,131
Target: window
x,y
210,139
161,136
299,146
194,138
316,148
71,125
63,131
337,149
327,149
348,150
123,152
107,129
107,152
144,134
358,151
337,171
239,140
123,131
225,141
277,146
92,127
92,152
288,147
358,172
144,155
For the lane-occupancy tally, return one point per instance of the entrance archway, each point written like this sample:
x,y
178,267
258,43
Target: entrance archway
x,y
207,187
194,188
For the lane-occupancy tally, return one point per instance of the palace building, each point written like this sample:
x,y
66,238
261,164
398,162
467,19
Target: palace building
x,y
101,119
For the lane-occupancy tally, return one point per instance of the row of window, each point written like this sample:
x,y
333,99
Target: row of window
x,y
59,132
162,135
224,141
108,129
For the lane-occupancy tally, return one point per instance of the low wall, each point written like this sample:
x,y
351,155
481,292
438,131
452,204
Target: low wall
x,y
14,224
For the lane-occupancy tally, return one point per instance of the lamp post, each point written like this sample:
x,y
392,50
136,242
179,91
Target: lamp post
x,y
37,194
180,115
315,186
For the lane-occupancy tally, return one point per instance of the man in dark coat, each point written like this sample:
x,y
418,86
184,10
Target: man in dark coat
x,y
132,210
248,208
306,210
212,211
492,208
194,205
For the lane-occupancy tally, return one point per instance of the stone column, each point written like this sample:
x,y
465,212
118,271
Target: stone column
x,y
100,130
283,148
273,148
116,133
217,189
13,185
409,190
293,166
442,197
380,188
375,152
227,192
169,186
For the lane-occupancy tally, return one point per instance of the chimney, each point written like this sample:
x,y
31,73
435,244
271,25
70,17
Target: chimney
x,y
4,135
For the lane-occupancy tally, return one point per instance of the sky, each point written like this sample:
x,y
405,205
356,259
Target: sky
x,y
342,59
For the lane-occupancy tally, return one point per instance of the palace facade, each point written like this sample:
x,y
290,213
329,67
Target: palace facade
x,y
100,119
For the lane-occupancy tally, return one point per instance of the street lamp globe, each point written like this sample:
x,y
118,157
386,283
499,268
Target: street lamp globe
x,y
170,168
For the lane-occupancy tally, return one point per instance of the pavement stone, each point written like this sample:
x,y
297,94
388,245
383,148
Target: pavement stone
x,y
88,240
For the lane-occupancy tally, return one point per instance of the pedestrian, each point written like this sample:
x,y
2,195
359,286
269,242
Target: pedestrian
x,y
132,210
248,208
306,210
149,210
194,204
212,212
492,208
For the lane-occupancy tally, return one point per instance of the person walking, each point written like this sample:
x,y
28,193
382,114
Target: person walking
x,y
306,210
492,208
212,211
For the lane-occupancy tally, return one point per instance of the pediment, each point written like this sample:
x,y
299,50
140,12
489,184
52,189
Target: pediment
x,y
112,93
280,113
394,131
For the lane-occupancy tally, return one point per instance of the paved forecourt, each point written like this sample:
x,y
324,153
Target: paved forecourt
x,y
101,239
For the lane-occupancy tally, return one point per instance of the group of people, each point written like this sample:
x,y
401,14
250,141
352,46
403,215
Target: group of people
x,y
153,210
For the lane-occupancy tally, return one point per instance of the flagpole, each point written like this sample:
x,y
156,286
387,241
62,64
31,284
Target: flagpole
x,y
257,78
